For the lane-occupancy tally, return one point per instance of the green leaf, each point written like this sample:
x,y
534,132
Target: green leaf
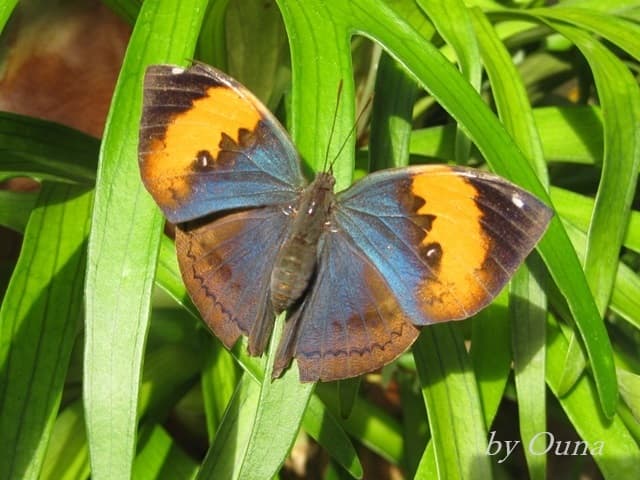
x,y
321,30
571,134
220,377
224,458
613,6
618,452
625,300
568,134
212,44
256,26
453,22
39,320
374,428
491,354
620,167
528,302
6,8
577,209
619,31
169,371
414,422
124,243
67,456
15,208
456,422
33,147
528,313
320,424
620,102
159,457
566,272
272,433
509,94
391,116
629,384
127,9
347,393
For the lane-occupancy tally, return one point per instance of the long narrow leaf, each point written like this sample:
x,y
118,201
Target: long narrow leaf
x,y
614,449
67,457
39,320
124,244
224,458
5,12
459,435
272,433
453,22
620,102
15,208
39,148
528,302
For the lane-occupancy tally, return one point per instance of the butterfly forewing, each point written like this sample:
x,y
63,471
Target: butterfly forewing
x,y
445,239
207,144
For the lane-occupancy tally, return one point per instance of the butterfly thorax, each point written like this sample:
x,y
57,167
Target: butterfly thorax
x,y
296,260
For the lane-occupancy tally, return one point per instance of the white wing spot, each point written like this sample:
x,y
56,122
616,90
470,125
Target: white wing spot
x,y
517,200
177,70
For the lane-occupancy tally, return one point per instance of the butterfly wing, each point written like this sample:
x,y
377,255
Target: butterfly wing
x,y
445,239
350,323
226,265
207,144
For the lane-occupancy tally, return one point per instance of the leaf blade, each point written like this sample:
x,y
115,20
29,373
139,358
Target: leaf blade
x,y
124,244
42,303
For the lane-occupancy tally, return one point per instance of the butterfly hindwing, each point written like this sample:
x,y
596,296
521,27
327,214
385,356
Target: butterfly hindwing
x,y
226,265
207,144
445,239
349,324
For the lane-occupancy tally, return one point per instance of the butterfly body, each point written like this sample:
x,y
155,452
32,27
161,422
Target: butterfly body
x,y
359,270
297,257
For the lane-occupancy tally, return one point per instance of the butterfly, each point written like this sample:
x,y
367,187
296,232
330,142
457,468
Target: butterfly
x,y
359,271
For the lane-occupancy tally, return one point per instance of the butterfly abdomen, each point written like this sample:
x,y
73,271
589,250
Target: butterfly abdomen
x,y
296,260
291,274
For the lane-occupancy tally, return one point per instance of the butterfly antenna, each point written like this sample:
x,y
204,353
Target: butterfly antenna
x,y
333,126
352,131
